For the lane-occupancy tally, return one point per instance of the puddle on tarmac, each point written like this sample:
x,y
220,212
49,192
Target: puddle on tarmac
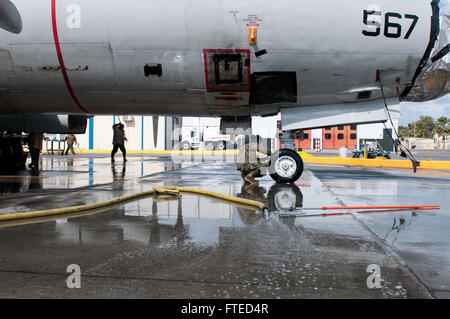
x,y
67,174
187,217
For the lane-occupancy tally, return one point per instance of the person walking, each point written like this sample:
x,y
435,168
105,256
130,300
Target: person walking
x,y
70,140
35,146
119,141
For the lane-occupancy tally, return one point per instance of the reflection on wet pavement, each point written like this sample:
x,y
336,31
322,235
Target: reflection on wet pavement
x,y
420,238
196,247
62,173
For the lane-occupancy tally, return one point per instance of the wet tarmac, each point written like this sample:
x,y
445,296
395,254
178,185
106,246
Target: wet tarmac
x,y
197,247
420,155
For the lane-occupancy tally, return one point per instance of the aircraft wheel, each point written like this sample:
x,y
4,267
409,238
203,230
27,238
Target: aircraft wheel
x,y
209,146
286,166
185,146
284,197
220,146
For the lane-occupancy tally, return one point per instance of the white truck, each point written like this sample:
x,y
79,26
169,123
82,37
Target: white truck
x,y
210,137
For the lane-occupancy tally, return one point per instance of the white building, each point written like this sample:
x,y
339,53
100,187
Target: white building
x,y
155,133
142,132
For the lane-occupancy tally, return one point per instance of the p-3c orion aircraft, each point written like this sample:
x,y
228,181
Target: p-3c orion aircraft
x,y
318,63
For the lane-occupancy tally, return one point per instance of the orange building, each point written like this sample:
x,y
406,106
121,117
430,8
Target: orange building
x,y
335,137
332,138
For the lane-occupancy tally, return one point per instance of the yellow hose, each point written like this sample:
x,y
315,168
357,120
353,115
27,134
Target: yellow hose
x,y
74,209
247,202
173,191
44,219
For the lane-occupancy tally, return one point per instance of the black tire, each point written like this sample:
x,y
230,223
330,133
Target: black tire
x,y
219,146
209,146
185,146
292,157
281,192
388,157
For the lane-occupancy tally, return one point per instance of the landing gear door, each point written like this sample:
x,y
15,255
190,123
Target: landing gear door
x,y
227,76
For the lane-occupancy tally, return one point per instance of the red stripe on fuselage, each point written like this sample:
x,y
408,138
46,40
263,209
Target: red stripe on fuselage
x,y
61,60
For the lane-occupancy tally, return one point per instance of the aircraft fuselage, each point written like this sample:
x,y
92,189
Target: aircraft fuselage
x,y
164,57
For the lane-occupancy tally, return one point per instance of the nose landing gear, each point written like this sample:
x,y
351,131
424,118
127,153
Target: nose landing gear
x,y
286,166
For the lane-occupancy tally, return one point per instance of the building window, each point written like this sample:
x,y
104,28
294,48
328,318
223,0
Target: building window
x,y
353,127
340,136
306,136
328,128
341,127
328,136
353,136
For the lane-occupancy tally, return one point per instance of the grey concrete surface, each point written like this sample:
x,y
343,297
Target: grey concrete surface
x,y
421,239
196,247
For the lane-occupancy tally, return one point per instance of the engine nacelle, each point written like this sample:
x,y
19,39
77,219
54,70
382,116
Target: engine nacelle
x,y
10,19
44,123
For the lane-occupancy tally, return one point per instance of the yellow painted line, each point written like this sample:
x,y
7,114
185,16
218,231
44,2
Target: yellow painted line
x,y
20,176
303,154
442,165
160,152
307,158
445,165
170,152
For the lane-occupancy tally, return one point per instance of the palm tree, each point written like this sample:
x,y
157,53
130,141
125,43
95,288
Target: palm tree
x,y
425,127
443,126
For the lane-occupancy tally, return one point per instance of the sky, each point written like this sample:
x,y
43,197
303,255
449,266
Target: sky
x,y
412,111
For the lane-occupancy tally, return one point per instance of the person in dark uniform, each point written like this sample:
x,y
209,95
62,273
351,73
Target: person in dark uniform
x,y
35,146
247,160
119,141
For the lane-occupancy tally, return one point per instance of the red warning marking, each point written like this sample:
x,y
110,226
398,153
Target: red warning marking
x,y
61,60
